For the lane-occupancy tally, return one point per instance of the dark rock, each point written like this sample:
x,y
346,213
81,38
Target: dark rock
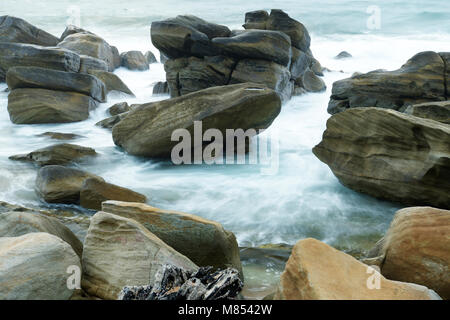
x,y
116,57
33,77
112,81
439,111
312,83
31,106
316,67
343,55
150,57
173,283
134,60
299,63
90,63
60,136
17,30
161,88
256,20
162,58
119,108
110,122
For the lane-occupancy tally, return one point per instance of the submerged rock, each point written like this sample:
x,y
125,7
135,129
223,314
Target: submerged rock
x,y
389,155
134,60
17,30
111,80
60,135
343,55
439,111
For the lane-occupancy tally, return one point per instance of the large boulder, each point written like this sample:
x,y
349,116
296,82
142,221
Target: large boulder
x,y
57,154
203,241
121,252
316,271
439,111
420,79
33,77
147,130
15,224
35,267
31,106
161,87
27,55
86,43
416,248
111,81
186,36
17,30
150,57
311,82
88,63
94,192
134,60
58,184
389,155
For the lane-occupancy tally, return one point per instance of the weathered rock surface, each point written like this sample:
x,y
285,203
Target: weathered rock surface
x,y
416,248
90,63
119,108
203,241
150,57
33,77
34,267
147,130
27,55
112,81
439,111
57,154
15,224
420,79
94,192
134,60
60,135
173,283
71,29
17,30
389,155
161,88
110,122
311,82
316,271
31,106
57,184
120,252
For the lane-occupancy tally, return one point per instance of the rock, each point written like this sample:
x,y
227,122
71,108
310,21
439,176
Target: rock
x,y
116,57
120,252
57,154
112,81
343,55
316,67
17,30
389,155
162,58
421,79
34,267
173,283
316,271
32,106
15,224
161,88
256,20
57,184
119,108
94,192
134,60
299,64
439,111
27,55
32,77
150,57
60,136
186,36
110,122
147,130
90,63
415,248
257,44
298,91
71,29
89,44
312,83
203,241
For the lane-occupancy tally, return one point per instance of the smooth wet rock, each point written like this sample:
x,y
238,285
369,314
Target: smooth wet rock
x,y
256,20
134,60
15,224
316,271
161,88
112,81
17,30
438,111
57,154
60,135
110,122
94,192
299,63
34,267
33,106
311,82
118,108
90,63
121,252
147,130
203,241
32,77
27,55
420,79
150,57
389,155
343,55
316,67
58,184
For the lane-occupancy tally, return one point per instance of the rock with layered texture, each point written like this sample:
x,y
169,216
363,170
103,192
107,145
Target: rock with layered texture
x,y
90,63
110,122
316,271
416,248
203,241
71,29
420,79
120,252
27,55
58,184
111,81
33,77
147,130
161,87
15,224
389,155
438,111
119,108
32,106
57,154
17,30
134,60
34,267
